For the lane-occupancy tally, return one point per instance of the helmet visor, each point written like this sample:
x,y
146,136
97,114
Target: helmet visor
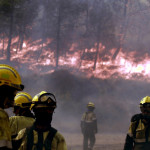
x,y
47,99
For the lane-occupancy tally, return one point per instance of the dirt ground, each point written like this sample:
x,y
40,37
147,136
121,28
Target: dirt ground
x,y
103,141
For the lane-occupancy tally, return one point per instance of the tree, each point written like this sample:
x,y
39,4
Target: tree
x,y
101,28
63,20
122,30
7,6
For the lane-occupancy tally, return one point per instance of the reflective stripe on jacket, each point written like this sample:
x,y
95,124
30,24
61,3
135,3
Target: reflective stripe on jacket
x,y
89,123
88,117
5,133
140,135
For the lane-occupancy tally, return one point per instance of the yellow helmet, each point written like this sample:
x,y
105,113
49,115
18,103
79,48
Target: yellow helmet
x,y
44,99
23,100
9,76
145,105
145,100
90,104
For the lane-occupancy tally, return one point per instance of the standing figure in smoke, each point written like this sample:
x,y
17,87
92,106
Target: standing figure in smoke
x,y
10,84
138,136
89,127
41,135
23,116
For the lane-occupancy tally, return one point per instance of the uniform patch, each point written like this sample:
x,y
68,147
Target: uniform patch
x,y
5,76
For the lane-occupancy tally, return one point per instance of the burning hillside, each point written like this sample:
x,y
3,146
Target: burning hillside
x,y
39,58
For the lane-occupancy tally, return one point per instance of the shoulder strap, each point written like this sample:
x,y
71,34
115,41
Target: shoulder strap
x,y
136,125
147,133
49,139
29,133
136,118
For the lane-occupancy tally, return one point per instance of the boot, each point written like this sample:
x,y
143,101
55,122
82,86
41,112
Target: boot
x,y
89,148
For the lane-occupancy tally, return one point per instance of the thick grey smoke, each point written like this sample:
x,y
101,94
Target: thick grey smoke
x,y
116,100
146,2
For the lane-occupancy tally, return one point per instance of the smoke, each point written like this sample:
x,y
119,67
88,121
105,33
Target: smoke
x,y
146,2
40,13
116,100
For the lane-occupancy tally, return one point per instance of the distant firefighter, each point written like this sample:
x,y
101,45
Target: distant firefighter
x,y
138,136
23,116
89,127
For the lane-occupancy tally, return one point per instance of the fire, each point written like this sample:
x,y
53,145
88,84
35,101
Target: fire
x,y
73,60
14,49
24,45
129,67
37,56
47,62
139,69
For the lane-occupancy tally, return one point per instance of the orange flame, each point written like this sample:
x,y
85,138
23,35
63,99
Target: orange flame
x,y
36,55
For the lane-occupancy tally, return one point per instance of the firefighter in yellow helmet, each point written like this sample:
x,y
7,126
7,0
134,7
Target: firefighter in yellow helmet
x,y
24,117
41,135
10,83
89,127
138,136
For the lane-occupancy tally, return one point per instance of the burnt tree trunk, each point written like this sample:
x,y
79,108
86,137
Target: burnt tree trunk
x,y
10,31
41,49
58,37
18,43
122,31
22,38
3,44
140,34
22,33
97,46
82,56
96,55
87,17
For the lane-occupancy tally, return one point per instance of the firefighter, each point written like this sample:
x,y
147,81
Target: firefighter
x,y
41,135
10,84
89,127
24,117
138,136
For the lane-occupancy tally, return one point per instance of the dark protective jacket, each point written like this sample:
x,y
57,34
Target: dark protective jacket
x,y
138,136
89,123
57,141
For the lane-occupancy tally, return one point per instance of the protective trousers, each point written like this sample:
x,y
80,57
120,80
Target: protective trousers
x,y
88,138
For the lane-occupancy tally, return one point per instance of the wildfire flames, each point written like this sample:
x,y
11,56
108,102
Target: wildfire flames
x,y
36,56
